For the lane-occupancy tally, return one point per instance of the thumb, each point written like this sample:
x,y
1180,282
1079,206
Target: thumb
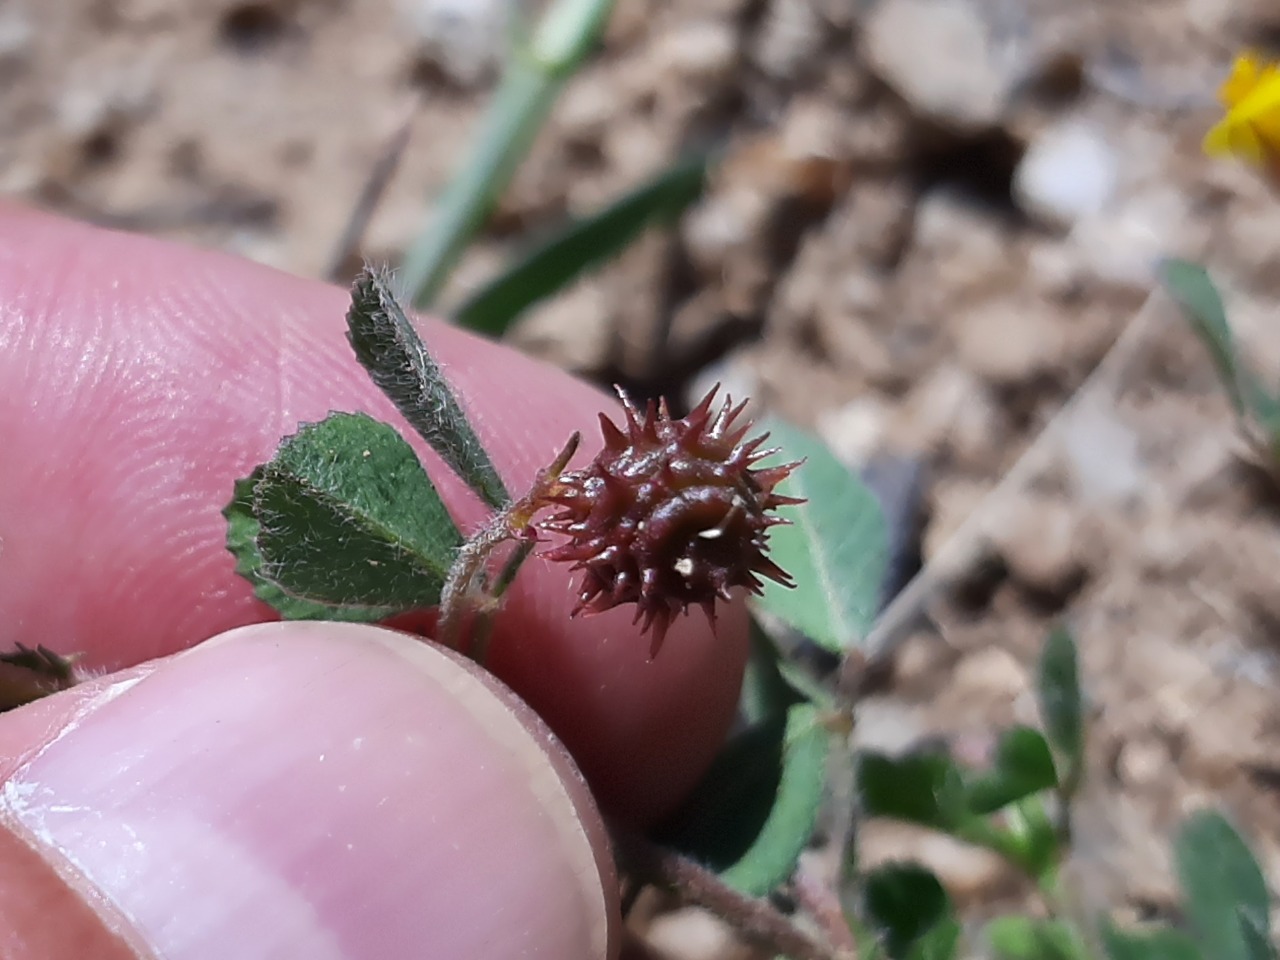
x,y
285,790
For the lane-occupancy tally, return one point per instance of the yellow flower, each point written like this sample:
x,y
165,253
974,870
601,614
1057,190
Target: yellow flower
x,y
1251,128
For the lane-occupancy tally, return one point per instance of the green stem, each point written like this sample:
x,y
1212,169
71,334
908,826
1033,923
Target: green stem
x,y
534,76
466,591
484,628
520,107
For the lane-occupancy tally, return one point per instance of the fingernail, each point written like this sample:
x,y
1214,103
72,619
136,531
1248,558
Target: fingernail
x,y
323,791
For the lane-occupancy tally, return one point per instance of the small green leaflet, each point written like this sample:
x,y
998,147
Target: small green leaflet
x,y
1023,766
835,548
1161,943
343,523
1028,938
905,904
753,813
1061,701
1226,895
390,349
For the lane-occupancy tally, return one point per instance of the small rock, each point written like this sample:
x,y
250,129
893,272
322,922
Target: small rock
x,y
855,431
888,725
939,57
994,674
705,50
1069,172
464,38
1008,343
790,37
17,34
1143,762
952,412
1037,538
1102,454
693,934
1124,245
572,331
959,250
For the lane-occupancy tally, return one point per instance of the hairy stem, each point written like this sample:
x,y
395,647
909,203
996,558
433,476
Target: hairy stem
x,y
465,591
753,918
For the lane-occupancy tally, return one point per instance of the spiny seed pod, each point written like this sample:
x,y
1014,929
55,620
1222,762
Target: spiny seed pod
x,y
669,514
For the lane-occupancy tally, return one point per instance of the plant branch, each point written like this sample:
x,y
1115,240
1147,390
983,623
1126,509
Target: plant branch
x,y
753,918
375,185
465,591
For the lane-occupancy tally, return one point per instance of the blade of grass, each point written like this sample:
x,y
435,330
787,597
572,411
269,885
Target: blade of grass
x,y
534,76
581,245
1195,293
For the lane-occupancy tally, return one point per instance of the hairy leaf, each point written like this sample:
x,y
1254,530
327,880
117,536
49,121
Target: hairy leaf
x,y
242,541
390,349
755,810
343,523
836,546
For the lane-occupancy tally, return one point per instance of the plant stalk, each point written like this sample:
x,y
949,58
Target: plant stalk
x,y
466,591
753,918
535,74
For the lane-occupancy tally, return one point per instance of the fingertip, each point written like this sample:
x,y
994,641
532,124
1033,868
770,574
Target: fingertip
x,y
326,790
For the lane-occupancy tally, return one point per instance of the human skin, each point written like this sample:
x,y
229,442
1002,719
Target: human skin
x,y
139,380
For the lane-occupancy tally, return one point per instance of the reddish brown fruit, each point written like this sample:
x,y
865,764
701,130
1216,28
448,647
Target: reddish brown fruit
x,y
669,514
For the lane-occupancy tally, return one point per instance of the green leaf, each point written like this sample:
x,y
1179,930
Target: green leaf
x,y
1162,943
939,943
1223,885
1061,702
1025,938
923,788
242,541
755,810
836,547
903,902
582,245
1191,287
1257,942
390,349
343,523
765,690
1023,766
1030,839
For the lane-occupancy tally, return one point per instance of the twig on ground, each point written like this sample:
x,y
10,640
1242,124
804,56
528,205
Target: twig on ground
x,y
908,606
375,185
